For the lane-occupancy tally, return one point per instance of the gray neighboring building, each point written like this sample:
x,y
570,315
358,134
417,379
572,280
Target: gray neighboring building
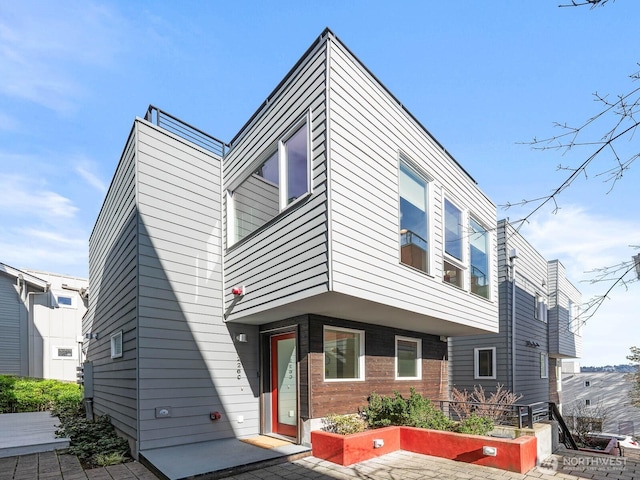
x,y
591,392
41,323
539,326
255,287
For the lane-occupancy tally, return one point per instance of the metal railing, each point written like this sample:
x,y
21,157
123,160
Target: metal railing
x,y
186,131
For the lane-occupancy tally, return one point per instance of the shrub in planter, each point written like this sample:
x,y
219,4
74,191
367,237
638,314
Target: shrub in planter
x,y
344,424
415,411
474,425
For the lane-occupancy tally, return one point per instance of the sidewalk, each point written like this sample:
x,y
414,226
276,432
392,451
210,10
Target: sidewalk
x,y
59,466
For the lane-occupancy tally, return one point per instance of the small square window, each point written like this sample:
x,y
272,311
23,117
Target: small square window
x,y
587,383
485,363
343,354
116,345
408,358
587,402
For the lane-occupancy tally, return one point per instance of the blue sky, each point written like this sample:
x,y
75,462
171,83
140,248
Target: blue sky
x,y
481,76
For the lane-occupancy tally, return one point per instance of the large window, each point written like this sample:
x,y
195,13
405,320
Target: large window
x,y
408,358
414,225
343,354
452,273
484,363
280,179
479,258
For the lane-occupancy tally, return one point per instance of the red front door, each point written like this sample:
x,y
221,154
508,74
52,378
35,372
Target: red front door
x,y
284,385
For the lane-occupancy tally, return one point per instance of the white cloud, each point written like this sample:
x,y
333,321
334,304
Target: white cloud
x,y
42,44
582,242
8,123
22,196
84,170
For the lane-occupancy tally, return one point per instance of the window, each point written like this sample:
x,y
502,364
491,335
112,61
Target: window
x,y
587,402
281,178
587,383
544,365
452,273
343,354
408,358
485,363
64,299
479,254
63,352
539,308
414,219
116,345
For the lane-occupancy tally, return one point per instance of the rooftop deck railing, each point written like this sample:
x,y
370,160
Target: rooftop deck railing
x,y
183,129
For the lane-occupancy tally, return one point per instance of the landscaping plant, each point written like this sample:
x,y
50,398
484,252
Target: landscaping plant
x,y
344,424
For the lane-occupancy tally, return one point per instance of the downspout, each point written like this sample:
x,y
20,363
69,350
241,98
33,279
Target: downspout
x,y
513,255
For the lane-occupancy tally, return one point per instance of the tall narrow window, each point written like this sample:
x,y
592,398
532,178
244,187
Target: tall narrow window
x,y
544,365
479,254
116,345
408,358
485,363
452,273
414,243
295,149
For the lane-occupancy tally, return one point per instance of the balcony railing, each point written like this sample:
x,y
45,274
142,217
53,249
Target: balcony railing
x,y
186,131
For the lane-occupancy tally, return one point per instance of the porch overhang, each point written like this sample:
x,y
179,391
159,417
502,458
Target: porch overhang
x,y
348,307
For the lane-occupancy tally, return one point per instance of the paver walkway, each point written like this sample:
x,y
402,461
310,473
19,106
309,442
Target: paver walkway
x,y
400,465
59,466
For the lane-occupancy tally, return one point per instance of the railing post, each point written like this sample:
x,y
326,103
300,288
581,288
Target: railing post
x,y
530,414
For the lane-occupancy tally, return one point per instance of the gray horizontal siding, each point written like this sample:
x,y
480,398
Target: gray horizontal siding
x,y
10,339
285,260
368,131
188,360
113,298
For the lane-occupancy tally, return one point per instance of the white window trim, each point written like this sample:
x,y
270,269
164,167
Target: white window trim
x,y
282,172
544,365
476,363
116,339
74,352
67,294
418,342
462,264
489,240
409,163
361,357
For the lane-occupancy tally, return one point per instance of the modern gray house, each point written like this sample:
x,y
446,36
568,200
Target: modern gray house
x,y
539,326
252,287
40,323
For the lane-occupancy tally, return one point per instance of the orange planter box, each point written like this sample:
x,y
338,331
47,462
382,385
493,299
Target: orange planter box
x,y
517,455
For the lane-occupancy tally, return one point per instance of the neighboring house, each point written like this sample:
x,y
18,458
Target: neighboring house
x,y
539,326
41,323
327,252
605,395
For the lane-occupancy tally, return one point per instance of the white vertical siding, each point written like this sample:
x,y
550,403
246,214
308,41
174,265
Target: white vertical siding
x,y
287,259
369,130
188,359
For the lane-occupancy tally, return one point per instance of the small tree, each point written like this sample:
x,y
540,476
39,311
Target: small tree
x,y
635,377
582,419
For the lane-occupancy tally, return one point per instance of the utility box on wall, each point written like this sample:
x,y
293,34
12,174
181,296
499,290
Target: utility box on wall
x,y
88,379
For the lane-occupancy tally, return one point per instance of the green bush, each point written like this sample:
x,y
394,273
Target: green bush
x,y
475,425
34,394
7,395
415,411
344,424
90,438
